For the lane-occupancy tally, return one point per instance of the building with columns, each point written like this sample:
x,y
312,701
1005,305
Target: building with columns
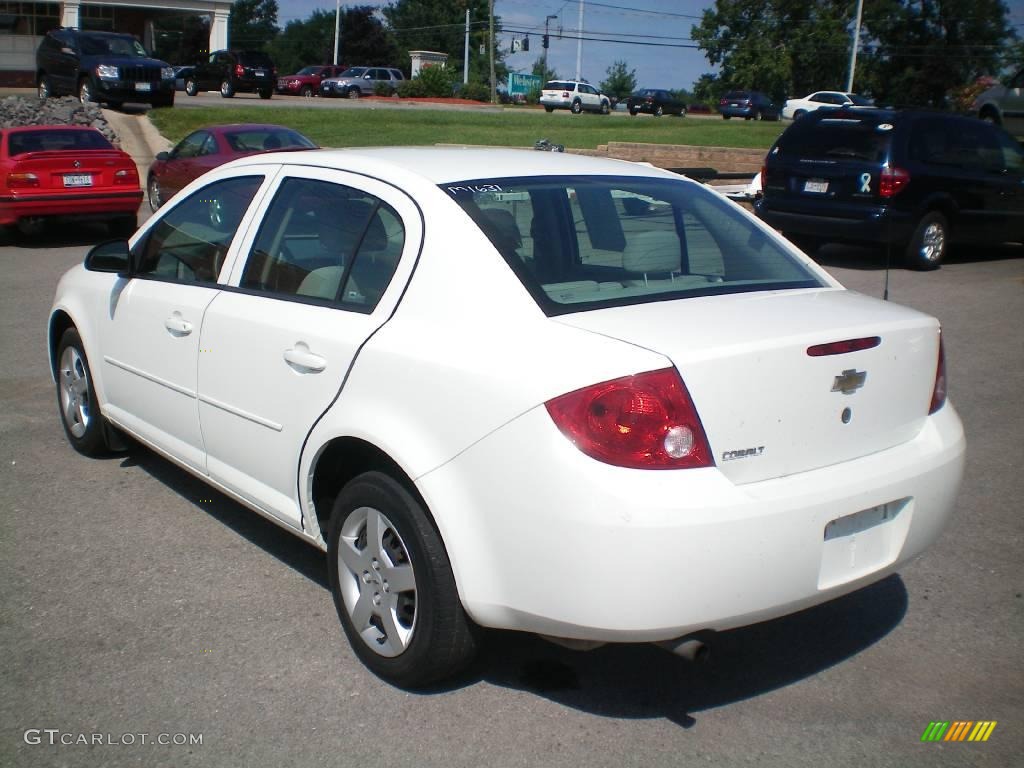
x,y
174,30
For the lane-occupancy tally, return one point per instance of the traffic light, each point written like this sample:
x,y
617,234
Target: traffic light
x,y
526,44
544,42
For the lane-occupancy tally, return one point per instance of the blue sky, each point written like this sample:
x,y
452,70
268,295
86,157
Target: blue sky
x,y
667,22
655,32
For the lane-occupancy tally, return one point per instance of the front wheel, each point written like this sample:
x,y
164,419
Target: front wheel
x,y
659,111
80,414
156,199
393,586
306,92
577,107
930,242
354,93
605,108
227,90
191,88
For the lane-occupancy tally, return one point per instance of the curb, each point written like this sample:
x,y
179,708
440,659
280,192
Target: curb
x,y
140,139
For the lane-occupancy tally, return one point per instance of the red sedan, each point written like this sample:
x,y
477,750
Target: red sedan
x,y
65,171
207,148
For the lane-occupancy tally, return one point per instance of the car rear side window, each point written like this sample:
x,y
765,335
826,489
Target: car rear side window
x,y
327,242
190,241
839,138
588,242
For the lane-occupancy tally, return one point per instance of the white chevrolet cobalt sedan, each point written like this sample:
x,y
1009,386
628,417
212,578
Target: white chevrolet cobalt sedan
x,y
578,397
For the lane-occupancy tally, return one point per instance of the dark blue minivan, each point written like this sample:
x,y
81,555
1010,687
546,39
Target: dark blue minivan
x,y
912,179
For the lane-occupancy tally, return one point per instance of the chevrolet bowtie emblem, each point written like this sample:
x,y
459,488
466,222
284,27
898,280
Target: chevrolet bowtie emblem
x,y
849,381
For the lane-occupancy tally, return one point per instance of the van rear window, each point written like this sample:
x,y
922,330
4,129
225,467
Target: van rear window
x,y
837,139
586,242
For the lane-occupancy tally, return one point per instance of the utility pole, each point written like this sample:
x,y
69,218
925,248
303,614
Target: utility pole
x,y
337,28
545,41
856,43
465,56
490,45
579,45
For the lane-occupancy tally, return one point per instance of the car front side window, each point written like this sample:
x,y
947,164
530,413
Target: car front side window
x,y
190,241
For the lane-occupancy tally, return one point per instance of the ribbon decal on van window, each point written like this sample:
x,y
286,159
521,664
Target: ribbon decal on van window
x,y
865,182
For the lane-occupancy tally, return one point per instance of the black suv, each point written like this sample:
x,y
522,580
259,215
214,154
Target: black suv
x,y
916,180
101,66
233,72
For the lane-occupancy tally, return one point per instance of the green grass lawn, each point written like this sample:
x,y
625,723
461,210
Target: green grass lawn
x,y
510,127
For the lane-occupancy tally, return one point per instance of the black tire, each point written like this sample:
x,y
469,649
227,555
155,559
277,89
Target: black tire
x,y
227,90
577,107
989,115
153,192
266,94
726,117
433,637
759,115
307,92
930,243
605,107
659,111
549,109
79,413
799,113
43,88
634,112
85,93
682,112
354,93
191,88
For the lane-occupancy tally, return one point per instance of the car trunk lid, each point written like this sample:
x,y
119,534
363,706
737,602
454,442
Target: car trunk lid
x,y
768,407
70,170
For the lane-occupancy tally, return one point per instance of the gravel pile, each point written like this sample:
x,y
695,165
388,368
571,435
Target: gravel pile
x,y
28,110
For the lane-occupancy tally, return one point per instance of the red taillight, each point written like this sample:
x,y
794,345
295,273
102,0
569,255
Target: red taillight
x,y
565,94
892,181
722,102
127,176
649,100
239,70
939,391
22,180
842,347
647,421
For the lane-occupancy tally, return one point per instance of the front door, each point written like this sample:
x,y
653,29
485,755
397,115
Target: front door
x,y
316,284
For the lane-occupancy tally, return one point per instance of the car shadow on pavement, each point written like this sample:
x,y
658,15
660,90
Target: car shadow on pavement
x,y
875,257
616,680
62,235
644,681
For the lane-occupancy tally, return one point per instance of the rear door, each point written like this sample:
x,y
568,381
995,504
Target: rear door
x,y
323,272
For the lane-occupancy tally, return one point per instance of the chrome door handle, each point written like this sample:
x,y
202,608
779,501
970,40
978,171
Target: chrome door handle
x,y
177,326
300,357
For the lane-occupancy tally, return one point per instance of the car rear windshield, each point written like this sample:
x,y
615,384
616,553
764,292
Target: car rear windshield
x,y
837,138
47,141
586,242
262,139
557,85
254,59
354,72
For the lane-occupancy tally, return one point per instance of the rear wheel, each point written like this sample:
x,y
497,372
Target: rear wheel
x,y
227,90
799,113
577,107
726,117
605,107
393,586
549,109
930,242
191,88
156,198
306,92
354,93
80,414
44,90
633,112
659,111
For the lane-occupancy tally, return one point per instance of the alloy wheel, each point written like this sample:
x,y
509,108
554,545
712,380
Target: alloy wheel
x,y
75,399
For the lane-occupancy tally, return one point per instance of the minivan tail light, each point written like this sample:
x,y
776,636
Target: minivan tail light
x,y
239,70
939,390
646,421
892,181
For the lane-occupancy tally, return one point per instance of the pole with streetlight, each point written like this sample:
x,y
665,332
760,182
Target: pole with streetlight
x,y
337,29
545,41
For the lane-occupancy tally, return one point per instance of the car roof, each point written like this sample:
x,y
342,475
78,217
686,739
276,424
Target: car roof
x,y
442,165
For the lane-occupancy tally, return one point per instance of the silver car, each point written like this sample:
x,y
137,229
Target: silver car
x,y
1004,105
361,81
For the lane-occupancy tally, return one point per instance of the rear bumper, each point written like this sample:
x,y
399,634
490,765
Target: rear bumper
x,y
864,225
556,543
91,205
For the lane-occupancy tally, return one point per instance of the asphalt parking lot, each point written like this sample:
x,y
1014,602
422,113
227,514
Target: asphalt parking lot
x,y
137,603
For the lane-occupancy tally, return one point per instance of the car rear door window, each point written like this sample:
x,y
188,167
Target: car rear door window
x,y
322,241
836,139
189,243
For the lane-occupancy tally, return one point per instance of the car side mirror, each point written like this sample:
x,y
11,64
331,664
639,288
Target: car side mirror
x,y
111,256
163,156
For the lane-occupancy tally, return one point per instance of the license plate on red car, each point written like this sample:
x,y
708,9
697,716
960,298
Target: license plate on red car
x,y
77,180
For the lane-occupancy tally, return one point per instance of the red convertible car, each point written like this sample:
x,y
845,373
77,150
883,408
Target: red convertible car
x,y
65,171
206,148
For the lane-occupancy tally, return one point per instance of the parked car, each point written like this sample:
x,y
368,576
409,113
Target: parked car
x,y
574,95
181,76
215,145
1004,105
101,66
51,171
306,82
233,72
667,390
655,101
750,105
794,109
915,180
361,81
